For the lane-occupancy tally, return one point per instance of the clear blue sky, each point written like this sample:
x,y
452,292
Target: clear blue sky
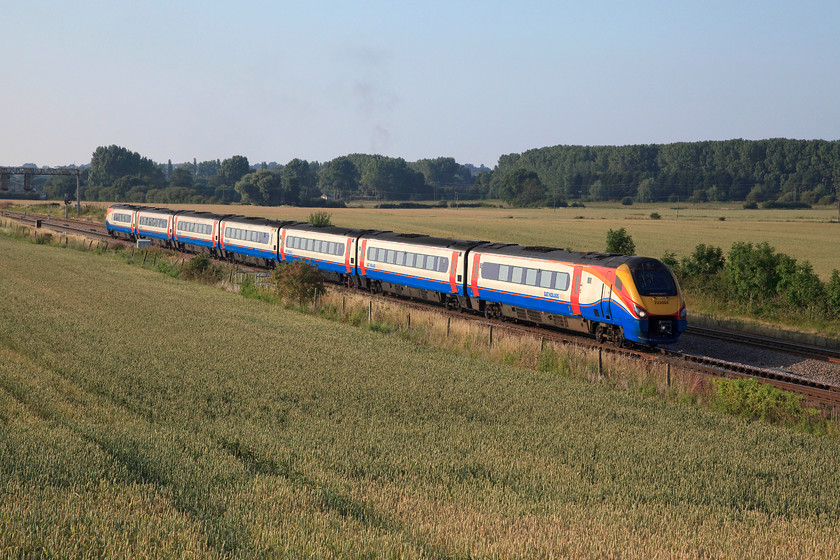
x,y
469,79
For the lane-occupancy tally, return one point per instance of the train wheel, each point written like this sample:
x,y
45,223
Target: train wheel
x,y
620,341
600,334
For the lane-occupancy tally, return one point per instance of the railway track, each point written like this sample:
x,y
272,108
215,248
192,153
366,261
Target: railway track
x,y
79,227
768,343
815,392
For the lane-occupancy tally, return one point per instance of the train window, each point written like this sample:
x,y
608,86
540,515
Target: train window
x,y
153,222
389,256
652,278
546,278
490,271
443,264
504,273
516,275
400,258
339,249
561,281
409,259
531,276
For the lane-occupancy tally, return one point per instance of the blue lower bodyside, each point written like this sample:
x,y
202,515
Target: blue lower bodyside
x,y
152,234
194,241
121,229
321,264
250,251
634,329
553,306
413,281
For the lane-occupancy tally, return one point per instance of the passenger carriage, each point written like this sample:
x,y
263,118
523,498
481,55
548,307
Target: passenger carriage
x,y
155,224
414,265
197,232
331,249
589,292
121,220
250,240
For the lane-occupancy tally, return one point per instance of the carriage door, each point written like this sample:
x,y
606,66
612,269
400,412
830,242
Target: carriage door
x,y
606,295
575,299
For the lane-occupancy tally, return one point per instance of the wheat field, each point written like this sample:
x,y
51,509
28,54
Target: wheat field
x,y
145,416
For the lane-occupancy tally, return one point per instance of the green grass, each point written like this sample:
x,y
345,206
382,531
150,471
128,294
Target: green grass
x,y
145,415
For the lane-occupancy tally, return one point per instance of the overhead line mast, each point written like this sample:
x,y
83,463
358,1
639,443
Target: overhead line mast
x,y
28,172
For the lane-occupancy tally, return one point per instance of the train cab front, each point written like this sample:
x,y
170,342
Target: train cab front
x,y
655,301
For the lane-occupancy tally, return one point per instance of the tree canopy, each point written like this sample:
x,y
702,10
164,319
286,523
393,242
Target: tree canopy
x,y
787,173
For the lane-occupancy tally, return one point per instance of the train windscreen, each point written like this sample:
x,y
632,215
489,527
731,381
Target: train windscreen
x,y
653,279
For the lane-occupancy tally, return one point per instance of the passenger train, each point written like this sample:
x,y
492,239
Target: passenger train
x,y
616,298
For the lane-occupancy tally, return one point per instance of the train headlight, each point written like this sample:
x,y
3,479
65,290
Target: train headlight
x,y
640,312
683,314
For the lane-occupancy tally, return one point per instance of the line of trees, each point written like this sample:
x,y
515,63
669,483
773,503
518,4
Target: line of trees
x,y
754,171
118,174
775,171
